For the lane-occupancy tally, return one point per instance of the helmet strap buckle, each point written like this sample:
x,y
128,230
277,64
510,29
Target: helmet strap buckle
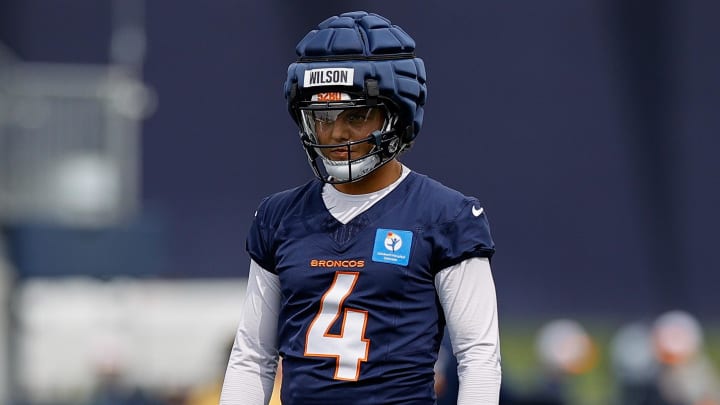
x,y
372,91
377,138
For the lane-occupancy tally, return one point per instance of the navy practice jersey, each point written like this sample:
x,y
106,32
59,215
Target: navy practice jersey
x,y
360,321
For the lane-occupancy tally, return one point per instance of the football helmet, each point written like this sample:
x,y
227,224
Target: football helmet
x,y
360,69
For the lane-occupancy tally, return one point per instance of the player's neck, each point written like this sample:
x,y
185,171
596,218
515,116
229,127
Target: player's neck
x,y
377,180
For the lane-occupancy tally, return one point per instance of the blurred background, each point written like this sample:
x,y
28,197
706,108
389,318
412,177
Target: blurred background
x,y
138,137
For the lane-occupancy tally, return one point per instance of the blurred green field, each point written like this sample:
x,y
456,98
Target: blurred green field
x,y
522,369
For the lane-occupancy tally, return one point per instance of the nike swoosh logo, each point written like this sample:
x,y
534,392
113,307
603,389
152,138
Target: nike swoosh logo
x,y
477,211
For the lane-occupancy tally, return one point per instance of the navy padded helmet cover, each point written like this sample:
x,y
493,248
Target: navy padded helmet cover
x,y
364,35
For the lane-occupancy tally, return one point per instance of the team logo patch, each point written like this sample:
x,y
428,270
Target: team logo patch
x,y
329,77
392,246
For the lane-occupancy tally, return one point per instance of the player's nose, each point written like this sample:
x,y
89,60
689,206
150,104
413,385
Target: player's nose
x,y
340,132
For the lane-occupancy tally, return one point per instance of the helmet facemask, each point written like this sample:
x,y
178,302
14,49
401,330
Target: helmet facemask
x,y
357,122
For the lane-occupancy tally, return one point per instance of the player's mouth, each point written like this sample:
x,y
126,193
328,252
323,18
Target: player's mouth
x,y
340,154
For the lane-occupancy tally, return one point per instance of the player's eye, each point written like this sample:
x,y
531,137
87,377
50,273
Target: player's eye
x,y
358,117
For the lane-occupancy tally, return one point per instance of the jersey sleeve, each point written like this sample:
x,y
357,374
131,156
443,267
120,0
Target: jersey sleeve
x,y
465,235
258,243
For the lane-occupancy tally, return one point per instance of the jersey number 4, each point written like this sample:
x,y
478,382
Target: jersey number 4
x,y
350,347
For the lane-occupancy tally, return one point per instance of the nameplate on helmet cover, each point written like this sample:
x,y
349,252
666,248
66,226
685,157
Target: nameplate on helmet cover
x,y
329,77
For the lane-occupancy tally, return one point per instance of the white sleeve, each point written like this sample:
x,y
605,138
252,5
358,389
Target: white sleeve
x,y
253,360
467,294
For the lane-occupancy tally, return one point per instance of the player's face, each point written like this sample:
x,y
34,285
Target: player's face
x,y
342,126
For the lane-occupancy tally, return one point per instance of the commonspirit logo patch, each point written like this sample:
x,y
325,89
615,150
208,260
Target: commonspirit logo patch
x,y
392,246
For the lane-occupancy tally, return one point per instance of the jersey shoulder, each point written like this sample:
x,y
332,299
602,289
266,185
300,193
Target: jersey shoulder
x,y
273,214
440,203
453,223
275,207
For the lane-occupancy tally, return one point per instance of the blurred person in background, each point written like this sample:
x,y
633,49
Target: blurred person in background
x,y
664,363
687,376
634,366
565,350
355,274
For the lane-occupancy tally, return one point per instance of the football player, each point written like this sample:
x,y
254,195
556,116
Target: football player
x,y
355,274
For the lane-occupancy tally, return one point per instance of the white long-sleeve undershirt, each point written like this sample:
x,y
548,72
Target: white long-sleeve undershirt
x,y
250,373
467,295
